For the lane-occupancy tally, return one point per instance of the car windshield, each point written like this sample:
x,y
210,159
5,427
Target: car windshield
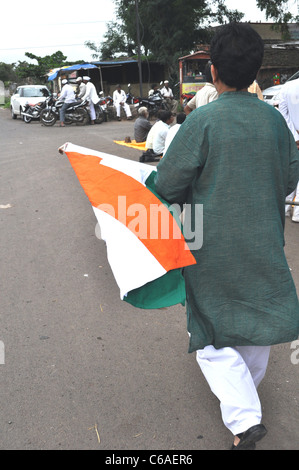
x,y
35,92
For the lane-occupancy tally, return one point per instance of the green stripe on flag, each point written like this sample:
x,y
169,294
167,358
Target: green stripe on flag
x,y
167,290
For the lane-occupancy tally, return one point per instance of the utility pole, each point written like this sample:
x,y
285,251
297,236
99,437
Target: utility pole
x,y
139,48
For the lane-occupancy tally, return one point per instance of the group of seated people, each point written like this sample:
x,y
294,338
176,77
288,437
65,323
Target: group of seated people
x,y
158,136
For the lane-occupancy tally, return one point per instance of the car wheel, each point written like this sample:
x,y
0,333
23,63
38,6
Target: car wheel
x,y
13,115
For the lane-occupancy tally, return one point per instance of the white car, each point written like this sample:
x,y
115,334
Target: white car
x,y
271,95
31,94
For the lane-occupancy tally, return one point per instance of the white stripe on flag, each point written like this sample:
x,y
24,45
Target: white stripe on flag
x,y
131,262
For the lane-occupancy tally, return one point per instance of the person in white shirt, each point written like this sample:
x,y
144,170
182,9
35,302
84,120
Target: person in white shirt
x,y
167,94
161,130
92,97
205,95
82,87
155,141
289,108
119,101
173,130
68,95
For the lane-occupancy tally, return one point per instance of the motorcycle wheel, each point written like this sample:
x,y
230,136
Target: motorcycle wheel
x,y
83,117
48,118
100,117
27,119
153,112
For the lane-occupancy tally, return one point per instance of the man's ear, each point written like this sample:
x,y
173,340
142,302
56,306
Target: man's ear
x,y
214,73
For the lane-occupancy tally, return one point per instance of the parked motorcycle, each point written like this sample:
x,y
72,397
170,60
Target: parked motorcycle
x,y
101,110
154,103
131,99
109,100
77,113
33,111
186,97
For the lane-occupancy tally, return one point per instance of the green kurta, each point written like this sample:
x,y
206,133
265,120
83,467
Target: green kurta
x,y
237,158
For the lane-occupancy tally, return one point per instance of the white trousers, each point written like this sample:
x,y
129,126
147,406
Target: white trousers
x,y
233,375
126,108
294,196
92,112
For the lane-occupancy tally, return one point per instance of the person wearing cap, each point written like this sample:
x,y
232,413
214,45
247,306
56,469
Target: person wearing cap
x,y
142,125
119,101
68,95
81,90
167,94
91,96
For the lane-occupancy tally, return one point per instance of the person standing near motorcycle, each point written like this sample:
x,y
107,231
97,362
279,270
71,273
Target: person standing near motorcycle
x,y
119,101
92,97
167,94
81,90
68,95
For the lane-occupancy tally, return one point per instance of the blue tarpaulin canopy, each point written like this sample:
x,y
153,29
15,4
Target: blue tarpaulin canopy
x,y
54,73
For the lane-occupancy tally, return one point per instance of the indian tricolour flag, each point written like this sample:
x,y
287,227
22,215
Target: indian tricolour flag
x,y
145,245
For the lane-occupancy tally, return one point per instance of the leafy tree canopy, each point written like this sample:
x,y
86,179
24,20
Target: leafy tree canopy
x,y
7,72
44,64
172,28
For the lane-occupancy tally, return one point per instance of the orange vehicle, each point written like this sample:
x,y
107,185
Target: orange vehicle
x,y
192,76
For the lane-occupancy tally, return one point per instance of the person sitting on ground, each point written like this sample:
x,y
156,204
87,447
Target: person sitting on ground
x,y
149,155
162,128
173,130
142,125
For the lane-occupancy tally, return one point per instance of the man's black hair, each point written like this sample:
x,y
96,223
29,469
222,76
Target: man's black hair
x,y
237,52
180,118
165,115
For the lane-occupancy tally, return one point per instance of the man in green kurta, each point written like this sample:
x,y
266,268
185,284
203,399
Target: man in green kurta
x,y
236,158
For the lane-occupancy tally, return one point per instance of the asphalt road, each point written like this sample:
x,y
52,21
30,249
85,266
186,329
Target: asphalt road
x,y
84,370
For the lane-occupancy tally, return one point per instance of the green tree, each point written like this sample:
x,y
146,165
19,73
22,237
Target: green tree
x,y
116,42
169,28
7,72
172,28
44,64
278,10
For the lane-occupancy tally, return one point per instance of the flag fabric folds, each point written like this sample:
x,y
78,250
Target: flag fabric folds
x,y
145,245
